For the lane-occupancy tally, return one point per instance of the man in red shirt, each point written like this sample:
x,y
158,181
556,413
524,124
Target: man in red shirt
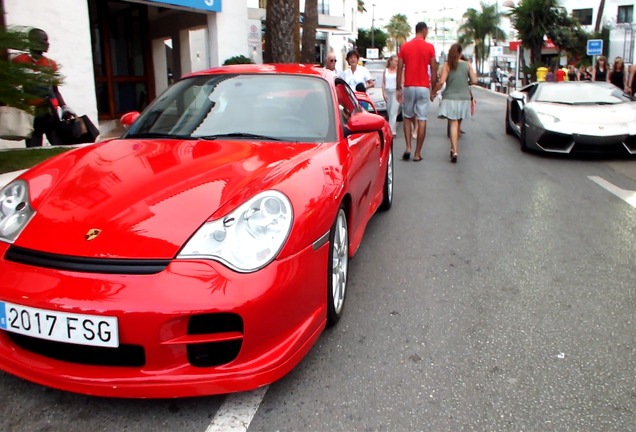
x,y
50,99
414,85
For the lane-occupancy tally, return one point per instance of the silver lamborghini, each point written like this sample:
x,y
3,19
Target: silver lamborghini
x,y
572,116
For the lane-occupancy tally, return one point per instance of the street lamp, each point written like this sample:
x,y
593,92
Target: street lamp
x,y
373,26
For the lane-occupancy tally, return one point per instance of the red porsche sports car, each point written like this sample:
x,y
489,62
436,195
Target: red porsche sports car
x,y
205,250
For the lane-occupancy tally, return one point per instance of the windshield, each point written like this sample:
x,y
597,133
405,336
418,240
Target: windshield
x,y
581,93
250,106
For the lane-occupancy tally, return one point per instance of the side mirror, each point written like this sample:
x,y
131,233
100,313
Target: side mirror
x,y
364,122
518,96
128,119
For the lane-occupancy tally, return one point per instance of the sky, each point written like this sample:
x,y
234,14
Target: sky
x,y
414,10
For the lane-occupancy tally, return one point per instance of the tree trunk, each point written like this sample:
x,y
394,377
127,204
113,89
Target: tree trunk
x,y
310,23
522,66
599,17
4,54
279,31
296,31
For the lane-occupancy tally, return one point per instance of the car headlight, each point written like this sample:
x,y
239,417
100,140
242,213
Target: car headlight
x,y
15,210
248,238
547,119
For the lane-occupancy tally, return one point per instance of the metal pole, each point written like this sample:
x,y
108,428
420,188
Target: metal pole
x,y
373,26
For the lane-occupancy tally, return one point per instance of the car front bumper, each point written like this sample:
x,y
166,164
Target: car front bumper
x,y
274,315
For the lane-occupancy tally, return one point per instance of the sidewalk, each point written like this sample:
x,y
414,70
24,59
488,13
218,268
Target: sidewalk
x,y
107,130
7,177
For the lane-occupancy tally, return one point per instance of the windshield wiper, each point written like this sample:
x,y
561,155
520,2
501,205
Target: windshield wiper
x,y
160,135
238,135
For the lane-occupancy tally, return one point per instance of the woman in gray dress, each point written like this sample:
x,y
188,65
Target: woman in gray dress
x,y
457,74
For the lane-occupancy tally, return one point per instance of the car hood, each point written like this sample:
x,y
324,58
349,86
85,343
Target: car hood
x,y
146,197
589,115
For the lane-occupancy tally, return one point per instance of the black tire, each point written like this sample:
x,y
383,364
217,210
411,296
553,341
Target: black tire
x,y
387,193
337,267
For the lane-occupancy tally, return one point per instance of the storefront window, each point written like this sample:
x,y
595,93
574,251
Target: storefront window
x,y
126,44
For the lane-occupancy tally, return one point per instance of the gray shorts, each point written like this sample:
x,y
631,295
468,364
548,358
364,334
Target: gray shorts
x,y
416,100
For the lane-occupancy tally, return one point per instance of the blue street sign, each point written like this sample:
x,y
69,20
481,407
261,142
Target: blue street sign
x,y
594,47
205,5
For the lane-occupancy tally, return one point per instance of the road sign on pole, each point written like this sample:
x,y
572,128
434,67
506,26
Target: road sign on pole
x,y
594,47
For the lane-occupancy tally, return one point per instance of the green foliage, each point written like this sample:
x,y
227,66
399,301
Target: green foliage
x,y
14,160
533,19
399,30
568,35
19,82
239,59
364,41
481,28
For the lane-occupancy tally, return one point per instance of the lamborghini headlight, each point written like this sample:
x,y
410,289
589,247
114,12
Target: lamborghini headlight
x,y
248,238
15,210
547,119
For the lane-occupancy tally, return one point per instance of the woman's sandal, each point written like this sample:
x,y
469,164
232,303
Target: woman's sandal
x,y
453,157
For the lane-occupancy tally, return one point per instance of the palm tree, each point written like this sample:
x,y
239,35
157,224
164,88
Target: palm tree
x,y
310,23
532,19
399,30
480,28
280,24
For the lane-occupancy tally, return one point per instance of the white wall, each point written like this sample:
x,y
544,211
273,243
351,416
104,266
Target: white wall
x,y
228,32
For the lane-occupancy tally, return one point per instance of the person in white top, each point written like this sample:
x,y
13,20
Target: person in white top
x,y
358,77
389,85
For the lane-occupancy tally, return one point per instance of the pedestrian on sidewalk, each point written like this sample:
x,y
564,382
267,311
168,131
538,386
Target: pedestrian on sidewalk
x,y
458,75
50,99
389,83
414,84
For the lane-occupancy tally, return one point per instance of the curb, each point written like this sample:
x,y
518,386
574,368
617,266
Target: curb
x,y
8,177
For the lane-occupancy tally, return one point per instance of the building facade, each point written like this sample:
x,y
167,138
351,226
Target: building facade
x,y
617,16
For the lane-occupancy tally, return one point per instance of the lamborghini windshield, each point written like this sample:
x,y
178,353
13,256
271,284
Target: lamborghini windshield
x,y
581,93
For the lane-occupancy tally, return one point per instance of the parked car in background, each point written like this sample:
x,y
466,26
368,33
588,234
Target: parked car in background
x,y
375,93
205,250
572,116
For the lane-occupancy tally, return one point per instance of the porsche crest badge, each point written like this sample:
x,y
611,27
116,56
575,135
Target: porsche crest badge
x,y
92,234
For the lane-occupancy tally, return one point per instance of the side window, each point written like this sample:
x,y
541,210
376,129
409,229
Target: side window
x,y
345,105
531,91
347,101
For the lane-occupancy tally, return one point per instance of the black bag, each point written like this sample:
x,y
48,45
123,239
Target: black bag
x,y
77,130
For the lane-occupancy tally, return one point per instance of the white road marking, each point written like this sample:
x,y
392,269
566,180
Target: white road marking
x,y
237,412
626,195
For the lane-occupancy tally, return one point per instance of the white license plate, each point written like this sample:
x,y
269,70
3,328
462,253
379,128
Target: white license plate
x,y
94,330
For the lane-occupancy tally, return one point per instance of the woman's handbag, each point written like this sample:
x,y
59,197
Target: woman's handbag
x,y
77,130
15,124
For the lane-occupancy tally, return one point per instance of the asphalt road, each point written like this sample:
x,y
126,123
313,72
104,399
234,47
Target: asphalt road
x,y
498,294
